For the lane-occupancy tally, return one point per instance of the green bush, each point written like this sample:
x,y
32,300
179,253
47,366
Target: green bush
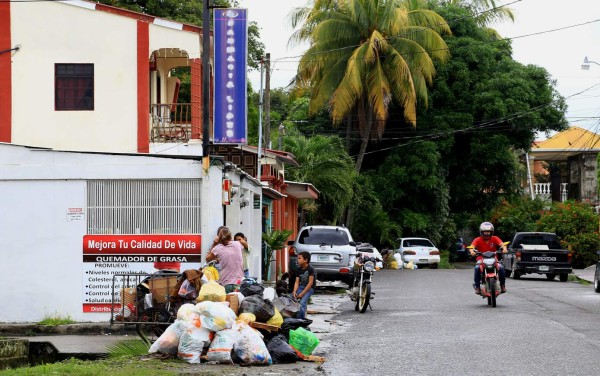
x,y
576,224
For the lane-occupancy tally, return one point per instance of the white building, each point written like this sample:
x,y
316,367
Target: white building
x,y
51,200
78,75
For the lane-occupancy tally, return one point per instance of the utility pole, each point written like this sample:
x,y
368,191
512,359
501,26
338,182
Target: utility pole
x,y
268,102
260,117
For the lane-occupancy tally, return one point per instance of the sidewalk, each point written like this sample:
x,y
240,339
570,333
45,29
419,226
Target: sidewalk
x,y
93,339
586,274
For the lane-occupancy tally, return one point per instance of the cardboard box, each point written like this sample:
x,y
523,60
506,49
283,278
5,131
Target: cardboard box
x,y
234,302
162,287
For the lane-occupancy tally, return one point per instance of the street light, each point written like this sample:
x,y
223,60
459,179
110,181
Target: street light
x,y
586,63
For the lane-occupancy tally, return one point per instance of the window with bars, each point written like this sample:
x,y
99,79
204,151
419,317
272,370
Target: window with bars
x,y
143,206
74,87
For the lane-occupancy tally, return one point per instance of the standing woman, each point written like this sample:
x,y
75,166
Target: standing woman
x,y
229,254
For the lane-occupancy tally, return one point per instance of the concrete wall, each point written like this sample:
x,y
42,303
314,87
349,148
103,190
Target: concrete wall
x,y
42,265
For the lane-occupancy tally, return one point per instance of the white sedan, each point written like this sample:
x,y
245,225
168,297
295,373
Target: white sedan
x,y
419,251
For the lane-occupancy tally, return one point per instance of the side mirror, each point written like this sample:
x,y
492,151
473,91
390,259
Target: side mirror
x,y
290,242
352,244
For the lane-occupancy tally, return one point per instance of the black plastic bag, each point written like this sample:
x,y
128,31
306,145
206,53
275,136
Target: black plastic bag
x,y
263,309
280,350
291,324
248,288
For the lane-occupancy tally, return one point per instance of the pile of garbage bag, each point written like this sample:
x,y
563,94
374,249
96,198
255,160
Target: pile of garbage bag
x,y
222,328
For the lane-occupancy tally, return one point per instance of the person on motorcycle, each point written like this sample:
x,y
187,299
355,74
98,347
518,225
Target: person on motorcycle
x,y
487,242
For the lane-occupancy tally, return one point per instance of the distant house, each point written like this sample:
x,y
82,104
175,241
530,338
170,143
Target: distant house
x,y
572,167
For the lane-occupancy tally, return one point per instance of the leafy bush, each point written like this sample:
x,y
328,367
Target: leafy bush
x,y
518,214
576,224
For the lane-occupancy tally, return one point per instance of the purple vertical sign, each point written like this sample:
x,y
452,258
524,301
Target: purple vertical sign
x,y
231,46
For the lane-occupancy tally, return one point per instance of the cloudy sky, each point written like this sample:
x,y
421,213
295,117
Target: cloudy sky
x,y
553,34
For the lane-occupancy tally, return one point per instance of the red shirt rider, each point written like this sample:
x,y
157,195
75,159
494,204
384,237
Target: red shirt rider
x,y
493,244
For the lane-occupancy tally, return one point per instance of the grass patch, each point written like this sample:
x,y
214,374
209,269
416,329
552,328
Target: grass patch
x,y
444,260
57,320
114,367
129,348
574,278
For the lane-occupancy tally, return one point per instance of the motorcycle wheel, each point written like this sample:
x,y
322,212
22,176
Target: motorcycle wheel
x,y
492,288
364,295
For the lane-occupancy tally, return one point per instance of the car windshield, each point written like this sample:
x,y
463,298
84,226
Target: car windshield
x,y
418,243
540,239
323,236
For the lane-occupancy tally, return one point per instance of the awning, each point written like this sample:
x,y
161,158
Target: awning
x,y
301,190
272,193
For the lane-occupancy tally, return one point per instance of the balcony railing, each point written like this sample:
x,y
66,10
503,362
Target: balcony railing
x,y
170,122
544,191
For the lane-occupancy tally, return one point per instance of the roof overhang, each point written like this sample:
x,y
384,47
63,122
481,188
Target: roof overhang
x,y
272,193
559,154
301,190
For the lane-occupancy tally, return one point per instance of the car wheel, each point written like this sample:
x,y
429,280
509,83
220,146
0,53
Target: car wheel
x,y
564,277
596,282
550,276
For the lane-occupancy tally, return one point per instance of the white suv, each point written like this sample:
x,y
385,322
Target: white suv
x,y
332,252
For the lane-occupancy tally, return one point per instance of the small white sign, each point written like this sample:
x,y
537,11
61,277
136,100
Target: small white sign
x,y
75,214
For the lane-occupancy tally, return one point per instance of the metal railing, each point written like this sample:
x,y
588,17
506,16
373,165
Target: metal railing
x,y
170,122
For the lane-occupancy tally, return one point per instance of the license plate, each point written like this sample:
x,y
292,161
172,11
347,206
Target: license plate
x,y
543,268
322,258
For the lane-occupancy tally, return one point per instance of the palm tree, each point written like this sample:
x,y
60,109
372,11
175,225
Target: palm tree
x,y
365,53
324,163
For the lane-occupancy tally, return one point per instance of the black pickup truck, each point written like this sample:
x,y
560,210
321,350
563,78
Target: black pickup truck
x,y
537,252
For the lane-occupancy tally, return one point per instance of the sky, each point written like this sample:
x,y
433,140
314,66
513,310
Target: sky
x,y
576,25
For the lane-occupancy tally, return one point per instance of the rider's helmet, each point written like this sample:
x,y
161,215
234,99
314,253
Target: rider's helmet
x,y
486,229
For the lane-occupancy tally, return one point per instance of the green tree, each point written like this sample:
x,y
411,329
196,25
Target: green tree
x,y
411,187
485,111
371,222
365,53
325,164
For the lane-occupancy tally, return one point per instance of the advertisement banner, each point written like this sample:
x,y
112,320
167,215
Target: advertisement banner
x,y
107,255
231,52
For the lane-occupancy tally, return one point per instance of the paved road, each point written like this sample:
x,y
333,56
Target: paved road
x,y
429,322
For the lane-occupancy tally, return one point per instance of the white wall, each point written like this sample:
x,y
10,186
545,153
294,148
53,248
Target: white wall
x,y
42,256
42,263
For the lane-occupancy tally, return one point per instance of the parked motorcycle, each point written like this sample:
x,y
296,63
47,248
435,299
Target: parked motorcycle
x,y
489,268
361,287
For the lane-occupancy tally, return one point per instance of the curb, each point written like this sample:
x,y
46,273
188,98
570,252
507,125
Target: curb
x,y
33,329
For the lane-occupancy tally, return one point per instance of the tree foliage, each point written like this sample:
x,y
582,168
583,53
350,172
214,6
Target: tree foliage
x,y
325,164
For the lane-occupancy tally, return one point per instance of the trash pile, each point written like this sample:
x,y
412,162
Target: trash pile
x,y
251,326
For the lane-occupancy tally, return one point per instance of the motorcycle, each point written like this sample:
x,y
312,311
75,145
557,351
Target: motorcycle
x,y
361,286
489,268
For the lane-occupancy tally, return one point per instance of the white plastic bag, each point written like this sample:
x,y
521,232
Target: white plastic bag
x,y
251,348
215,316
168,342
191,344
398,259
269,293
222,345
